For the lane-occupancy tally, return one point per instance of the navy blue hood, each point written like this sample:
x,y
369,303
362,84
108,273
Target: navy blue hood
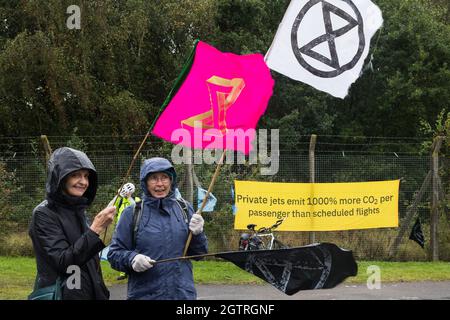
x,y
157,164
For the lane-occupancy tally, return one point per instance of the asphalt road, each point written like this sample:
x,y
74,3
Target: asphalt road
x,y
430,290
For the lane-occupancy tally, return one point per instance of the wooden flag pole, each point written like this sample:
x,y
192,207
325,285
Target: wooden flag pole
x,y
199,211
128,173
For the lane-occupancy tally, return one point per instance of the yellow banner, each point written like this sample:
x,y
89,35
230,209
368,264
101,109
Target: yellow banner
x,y
317,206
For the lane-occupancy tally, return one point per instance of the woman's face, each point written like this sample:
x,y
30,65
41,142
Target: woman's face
x,y
158,184
77,183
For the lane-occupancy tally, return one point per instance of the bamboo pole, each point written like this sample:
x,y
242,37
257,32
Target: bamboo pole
x,y
199,211
189,179
185,258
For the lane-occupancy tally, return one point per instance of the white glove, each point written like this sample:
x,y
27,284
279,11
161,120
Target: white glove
x,y
196,224
141,263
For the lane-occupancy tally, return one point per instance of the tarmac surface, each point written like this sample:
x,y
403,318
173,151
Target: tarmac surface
x,y
429,290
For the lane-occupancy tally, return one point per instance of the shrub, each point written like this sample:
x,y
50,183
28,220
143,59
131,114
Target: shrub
x,y
219,229
7,188
16,244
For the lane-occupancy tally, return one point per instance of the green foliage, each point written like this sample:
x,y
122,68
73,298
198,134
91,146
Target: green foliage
x,y
124,112
105,193
124,57
111,76
219,228
76,142
444,238
441,128
8,186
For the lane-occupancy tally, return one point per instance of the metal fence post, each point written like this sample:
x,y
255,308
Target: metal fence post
x,y
312,146
434,221
47,149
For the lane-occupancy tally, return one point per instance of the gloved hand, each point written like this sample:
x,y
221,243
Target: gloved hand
x,y
196,224
142,263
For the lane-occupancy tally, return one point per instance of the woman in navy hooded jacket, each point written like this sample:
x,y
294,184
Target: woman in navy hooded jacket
x,y
162,233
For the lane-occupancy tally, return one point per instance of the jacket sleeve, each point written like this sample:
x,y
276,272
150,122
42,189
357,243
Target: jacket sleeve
x,y
199,243
51,238
121,252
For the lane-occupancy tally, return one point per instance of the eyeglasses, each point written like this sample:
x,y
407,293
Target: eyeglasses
x,y
154,178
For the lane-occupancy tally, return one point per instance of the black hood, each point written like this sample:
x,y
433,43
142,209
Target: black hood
x,y
64,161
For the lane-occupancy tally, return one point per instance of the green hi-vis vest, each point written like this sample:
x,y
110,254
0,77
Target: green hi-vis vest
x,y
121,203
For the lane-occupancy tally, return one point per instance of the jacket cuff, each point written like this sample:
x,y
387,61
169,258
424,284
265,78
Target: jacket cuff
x,y
95,238
130,259
92,231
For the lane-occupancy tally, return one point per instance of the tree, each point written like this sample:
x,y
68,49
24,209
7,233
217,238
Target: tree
x,y
119,67
55,79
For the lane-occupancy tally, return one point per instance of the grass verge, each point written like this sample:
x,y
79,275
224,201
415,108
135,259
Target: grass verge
x,y
17,274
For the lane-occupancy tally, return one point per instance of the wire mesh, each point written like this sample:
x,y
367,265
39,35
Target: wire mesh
x,y
25,176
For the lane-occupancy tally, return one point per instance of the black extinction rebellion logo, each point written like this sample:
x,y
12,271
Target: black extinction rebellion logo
x,y
333,62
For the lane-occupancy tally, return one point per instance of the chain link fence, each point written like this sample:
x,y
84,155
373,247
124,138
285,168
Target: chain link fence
x,y
23,184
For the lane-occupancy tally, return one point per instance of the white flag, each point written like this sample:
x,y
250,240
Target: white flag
x,y
324,42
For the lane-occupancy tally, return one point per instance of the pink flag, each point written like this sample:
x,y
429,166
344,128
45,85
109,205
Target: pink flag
x,y
219,103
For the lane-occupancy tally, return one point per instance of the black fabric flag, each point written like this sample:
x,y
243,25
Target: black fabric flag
x,y
316,266
417,234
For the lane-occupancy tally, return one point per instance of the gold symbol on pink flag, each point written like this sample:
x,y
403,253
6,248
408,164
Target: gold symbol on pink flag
x,y
223,93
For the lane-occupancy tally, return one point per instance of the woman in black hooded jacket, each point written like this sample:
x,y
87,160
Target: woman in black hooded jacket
x,y
60,232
